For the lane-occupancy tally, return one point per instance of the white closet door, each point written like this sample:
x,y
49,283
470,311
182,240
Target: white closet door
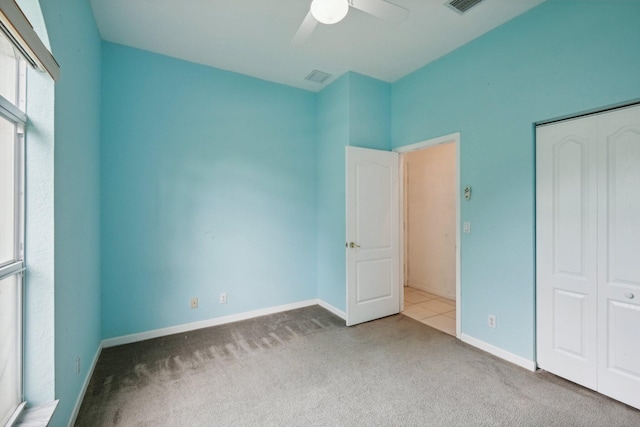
x,y
619,255
566,233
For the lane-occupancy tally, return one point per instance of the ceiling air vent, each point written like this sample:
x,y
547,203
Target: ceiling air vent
x,y
317,76
461,6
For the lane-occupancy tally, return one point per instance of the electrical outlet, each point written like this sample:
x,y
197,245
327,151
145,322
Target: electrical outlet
x,y
223,298
466,227
194,302
78,366
492,321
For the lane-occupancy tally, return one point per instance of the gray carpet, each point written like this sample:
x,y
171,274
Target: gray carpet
x,y
305,368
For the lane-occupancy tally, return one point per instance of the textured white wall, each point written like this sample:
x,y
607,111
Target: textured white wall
x,y
39,380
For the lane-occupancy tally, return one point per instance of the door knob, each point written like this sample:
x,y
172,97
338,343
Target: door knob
x,y
629,295
353,245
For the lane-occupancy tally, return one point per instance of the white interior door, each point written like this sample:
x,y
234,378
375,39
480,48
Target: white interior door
x,y
373,252
619,255
566,241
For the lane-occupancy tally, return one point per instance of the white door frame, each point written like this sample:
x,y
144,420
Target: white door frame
x,y
454,138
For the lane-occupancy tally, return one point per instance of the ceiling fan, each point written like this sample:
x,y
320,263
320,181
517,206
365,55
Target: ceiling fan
x,y
333,11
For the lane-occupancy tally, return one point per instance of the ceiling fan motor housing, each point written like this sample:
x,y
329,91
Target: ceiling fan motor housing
x,y
329,11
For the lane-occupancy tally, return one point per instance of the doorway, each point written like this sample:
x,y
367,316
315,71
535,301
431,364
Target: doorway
x,y
430,232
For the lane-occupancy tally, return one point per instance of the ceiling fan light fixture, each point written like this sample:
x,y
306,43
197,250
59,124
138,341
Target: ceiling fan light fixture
x,y
329,11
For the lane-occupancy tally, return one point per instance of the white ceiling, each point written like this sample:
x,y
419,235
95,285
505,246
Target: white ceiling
x,y
253,37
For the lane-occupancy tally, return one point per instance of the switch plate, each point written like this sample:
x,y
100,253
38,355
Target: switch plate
x,y
194,302
467,192
466,227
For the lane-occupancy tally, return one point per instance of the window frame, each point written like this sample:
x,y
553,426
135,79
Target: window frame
x,y
12,112
32,52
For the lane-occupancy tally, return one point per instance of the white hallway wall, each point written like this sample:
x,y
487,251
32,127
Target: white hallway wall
x,y
431,219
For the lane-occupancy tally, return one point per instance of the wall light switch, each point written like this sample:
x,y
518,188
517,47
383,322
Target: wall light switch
x,y
466,227
467,192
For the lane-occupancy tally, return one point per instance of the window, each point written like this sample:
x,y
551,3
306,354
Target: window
x,y
12,121
19,46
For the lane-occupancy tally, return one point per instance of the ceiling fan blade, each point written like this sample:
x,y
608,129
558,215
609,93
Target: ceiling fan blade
x,y
381,9
305,29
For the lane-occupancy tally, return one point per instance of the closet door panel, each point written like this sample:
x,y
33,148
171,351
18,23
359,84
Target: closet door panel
x,y
566,249
619,255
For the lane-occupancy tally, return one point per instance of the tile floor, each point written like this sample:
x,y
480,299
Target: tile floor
x,y
430,309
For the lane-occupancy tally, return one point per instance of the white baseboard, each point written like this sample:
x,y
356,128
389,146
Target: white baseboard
x,y
186,327
76,407
439,292
341,314
496,351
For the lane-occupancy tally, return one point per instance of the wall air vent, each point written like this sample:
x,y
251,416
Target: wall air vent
x,y
317,76
461,6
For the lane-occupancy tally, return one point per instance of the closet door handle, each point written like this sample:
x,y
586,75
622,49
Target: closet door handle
x,y
629,295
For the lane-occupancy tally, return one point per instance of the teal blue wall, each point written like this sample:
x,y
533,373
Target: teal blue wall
x,y
561,58
369,112
76,44
333,136
352,111
208,186
175,180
